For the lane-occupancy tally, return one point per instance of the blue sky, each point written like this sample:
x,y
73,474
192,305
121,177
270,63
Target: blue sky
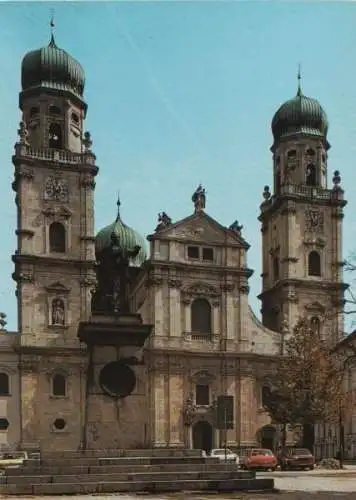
x,y
182,93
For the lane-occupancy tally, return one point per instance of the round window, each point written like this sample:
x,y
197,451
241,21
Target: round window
x,y
4,424
117,379
59,424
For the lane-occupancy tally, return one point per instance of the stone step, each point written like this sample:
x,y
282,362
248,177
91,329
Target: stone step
x,y
121,460
229,485
112,469
156,452
122,477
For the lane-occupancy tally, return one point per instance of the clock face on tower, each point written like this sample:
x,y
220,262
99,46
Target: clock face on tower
x,y
56,189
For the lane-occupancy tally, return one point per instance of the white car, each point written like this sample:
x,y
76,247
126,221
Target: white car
x,y
225,456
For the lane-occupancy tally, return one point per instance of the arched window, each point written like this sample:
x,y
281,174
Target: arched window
x,y
57,237
314,264
34,111
55,136
278,182
315,325
201,316
54,110
59,385
4,384
310,175
292,153
310,152
75,118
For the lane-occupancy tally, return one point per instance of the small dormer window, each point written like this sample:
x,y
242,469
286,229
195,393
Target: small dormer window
x,y
205,254
193,252
208,254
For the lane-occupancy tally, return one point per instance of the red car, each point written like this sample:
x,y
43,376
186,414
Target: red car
x,y
296,458
259,458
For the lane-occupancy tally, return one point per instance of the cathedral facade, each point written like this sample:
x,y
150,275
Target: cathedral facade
x,y
192,286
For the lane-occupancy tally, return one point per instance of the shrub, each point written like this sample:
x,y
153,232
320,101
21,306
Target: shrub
x,y
329,463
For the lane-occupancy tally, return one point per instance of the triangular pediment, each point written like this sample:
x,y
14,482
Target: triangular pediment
x,y
57,287
315,307
201,228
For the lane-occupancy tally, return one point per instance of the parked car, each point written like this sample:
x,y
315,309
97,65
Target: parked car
x,y
13,459
230,456
296,458
259,458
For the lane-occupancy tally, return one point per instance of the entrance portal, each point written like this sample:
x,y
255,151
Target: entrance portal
x,y
203,436
268,437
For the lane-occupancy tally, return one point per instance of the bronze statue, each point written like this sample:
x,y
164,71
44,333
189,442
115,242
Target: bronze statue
x,y
113,273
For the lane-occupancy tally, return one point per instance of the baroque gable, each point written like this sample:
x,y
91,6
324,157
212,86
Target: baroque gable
x,y
201,228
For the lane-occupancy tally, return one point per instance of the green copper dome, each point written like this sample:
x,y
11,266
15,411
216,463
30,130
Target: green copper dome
x,y
53,68
127,239
300,115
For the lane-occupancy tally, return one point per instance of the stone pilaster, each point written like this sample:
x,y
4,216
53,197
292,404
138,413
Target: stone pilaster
x,y
174,308
175,408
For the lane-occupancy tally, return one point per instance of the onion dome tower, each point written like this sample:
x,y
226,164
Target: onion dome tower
x,y
301,219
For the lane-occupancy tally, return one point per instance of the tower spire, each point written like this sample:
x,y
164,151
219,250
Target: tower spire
x,y
52,43
299,90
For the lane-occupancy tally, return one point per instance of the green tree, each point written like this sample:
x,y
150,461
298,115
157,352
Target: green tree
x,y
307,387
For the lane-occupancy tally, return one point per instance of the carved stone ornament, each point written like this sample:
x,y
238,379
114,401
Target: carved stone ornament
x,y
192,412
227,287
87,181
56,189
202,377
174,283
24,276
314,221
315,307
30,364
25,172
164,221
153,280
57,288
201,290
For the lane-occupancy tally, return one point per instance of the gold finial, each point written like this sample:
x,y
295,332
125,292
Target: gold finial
x,y
299,91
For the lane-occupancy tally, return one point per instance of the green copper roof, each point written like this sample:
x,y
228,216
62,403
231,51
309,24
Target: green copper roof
x,y
127,238
300,115
53,68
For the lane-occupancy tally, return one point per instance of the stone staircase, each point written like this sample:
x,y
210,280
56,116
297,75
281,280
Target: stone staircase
x,y
113,471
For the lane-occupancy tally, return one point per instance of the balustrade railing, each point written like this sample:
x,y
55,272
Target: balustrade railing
x,y
54,155
314,192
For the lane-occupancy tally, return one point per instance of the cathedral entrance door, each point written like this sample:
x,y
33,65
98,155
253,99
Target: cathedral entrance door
x,y
268,437
203,436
